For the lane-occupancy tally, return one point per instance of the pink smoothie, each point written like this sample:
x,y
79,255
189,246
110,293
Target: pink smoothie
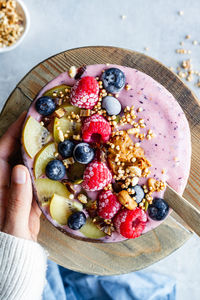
x,y
169,150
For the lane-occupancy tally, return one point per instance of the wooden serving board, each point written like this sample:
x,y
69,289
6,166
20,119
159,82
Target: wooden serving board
x,y
131,255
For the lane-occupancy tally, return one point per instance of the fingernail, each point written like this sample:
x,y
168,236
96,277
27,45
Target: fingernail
x,y
19,175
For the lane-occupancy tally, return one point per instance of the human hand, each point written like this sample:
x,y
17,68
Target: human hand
x,y
19,213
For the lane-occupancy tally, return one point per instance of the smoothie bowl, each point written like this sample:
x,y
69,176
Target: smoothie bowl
x,y
100,141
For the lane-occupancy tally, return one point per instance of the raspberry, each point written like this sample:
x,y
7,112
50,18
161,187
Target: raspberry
x,y
130,223
85,92
96,176
96,129
108,205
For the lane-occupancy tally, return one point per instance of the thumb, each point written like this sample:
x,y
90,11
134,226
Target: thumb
x,y
19,203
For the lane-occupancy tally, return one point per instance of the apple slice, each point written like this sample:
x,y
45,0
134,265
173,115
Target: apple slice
x,y
46,188
90,230
61,208
45,155
64,124
34,136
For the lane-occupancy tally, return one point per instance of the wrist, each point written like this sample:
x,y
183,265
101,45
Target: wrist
x,y
16,231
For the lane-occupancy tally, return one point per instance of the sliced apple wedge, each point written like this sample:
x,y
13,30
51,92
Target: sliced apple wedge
x,y
45,155
34,136
65,125
46,188
90,230
61,208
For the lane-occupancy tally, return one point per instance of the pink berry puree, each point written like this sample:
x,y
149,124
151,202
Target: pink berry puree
x,y
169,151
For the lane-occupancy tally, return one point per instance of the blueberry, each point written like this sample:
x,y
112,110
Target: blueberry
x,y
83,153
45,105
113,80
158,210
111,105
76,220
55,170
138,192
66,148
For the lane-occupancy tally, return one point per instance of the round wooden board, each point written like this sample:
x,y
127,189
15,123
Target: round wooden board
x,y
131,255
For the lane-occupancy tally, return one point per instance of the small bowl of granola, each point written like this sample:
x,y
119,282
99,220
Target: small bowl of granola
x,y
14,24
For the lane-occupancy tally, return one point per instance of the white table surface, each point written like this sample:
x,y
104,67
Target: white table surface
x,y
63,24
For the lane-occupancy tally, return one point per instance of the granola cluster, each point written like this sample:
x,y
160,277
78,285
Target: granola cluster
x,y
11,23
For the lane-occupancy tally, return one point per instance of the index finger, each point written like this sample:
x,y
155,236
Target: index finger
x,y
10,139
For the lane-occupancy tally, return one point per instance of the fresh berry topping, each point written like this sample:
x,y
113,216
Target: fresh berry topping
x,y
45,105
96,129
113,80
83,153
76,220
55,170
108,205
158,210
85,92
130,223
137,192
96,176
66,148
111,105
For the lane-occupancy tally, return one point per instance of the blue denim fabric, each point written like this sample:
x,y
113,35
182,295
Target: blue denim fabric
x,y
64,284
